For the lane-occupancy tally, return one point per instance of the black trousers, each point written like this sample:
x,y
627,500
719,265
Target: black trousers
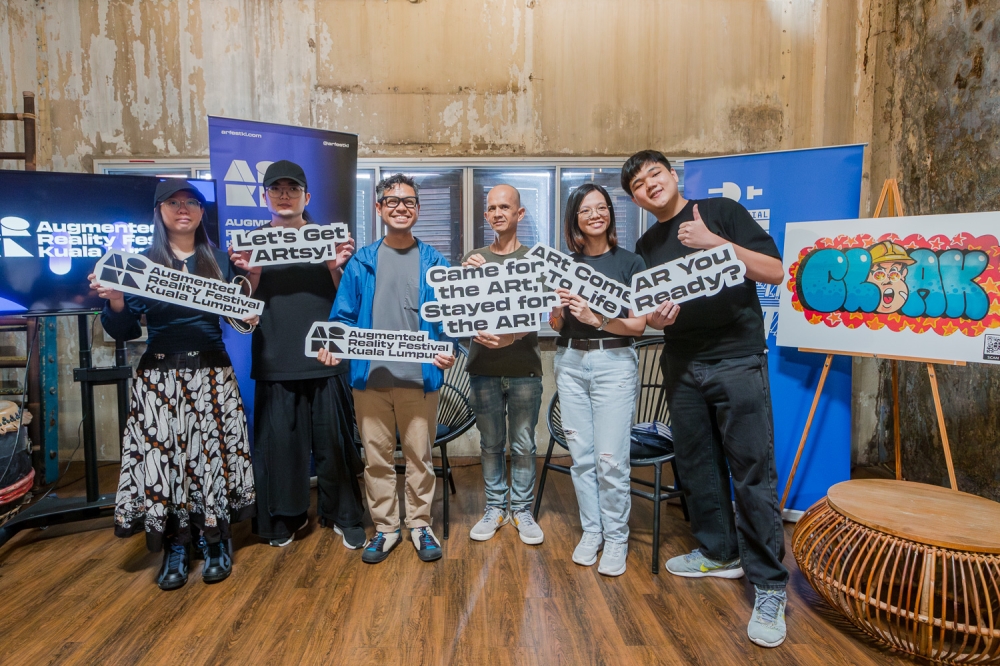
x,y
293,419
720,413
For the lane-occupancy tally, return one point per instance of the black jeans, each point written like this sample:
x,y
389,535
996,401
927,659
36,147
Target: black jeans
x,y
720,412
294,419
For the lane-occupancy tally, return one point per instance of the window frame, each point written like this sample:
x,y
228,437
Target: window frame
x,y
390,165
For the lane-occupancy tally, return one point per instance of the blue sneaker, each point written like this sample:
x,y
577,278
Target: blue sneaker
x,y
427,545
174,572
379,547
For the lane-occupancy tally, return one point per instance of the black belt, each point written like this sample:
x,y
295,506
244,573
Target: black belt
x,y
590,344
184,360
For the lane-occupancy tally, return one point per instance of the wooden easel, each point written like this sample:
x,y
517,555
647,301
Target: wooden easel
x,y
891,200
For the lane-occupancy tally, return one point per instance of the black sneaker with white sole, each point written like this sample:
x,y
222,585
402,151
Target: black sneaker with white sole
x,y
353,537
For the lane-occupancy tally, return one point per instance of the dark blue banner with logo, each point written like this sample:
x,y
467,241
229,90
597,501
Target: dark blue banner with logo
x,y
777,188
240,152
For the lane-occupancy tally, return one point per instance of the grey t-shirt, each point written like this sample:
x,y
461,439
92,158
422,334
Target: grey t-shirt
x,y
396,308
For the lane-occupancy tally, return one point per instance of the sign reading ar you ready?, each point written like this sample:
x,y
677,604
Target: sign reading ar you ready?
x,y
695,275
370,344
272,246
493,298
136,274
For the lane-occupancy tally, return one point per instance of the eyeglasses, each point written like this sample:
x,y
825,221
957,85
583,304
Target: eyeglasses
x,y
176,204
892,274
392,202
602,211
292,191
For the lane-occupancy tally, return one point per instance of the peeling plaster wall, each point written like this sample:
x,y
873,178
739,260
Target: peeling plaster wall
x,y
137,78
929,73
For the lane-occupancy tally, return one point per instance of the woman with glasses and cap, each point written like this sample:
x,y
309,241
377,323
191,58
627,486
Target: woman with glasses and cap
x,y
186,474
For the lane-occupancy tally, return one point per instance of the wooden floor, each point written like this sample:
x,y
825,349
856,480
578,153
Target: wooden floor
x,y
76,594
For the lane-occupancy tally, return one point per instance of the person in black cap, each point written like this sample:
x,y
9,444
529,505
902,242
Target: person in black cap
x,y
186,473
302,407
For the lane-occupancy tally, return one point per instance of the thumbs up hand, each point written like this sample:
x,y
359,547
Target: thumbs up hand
x,y
695,234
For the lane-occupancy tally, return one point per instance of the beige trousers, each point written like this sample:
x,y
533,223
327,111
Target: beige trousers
x,y
379,414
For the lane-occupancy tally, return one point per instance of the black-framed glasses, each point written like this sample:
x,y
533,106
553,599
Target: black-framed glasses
x,y
176,204
392,202
278,191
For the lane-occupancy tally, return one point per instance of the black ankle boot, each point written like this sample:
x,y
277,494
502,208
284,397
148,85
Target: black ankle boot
x,y
174,572
218,562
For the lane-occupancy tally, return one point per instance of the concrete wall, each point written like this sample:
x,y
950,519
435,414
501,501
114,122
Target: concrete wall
x,y
120,78
928,82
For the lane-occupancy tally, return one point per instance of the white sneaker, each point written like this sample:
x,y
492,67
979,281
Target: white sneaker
x,y
527,528
767,624
585,553
493,519
613,559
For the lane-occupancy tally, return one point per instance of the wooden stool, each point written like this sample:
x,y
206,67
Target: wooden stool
x,y
915,566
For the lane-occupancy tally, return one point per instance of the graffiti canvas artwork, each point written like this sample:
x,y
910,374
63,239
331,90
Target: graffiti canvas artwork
x,y
924,287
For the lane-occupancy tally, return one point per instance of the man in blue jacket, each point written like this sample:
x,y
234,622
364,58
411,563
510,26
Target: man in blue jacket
x,y
383,288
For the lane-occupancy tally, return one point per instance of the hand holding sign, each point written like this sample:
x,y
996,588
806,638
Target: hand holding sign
x,y
695,234
578,307
344,251
664,315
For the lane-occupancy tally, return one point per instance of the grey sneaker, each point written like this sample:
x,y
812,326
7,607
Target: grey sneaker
x,y
696,565
493,519
586,551
613,559
527,528
767,624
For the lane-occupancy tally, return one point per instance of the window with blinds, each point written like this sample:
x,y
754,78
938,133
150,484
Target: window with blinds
x,y
440,221
537,190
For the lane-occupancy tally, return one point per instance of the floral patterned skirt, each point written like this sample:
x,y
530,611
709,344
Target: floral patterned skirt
x,y
185,457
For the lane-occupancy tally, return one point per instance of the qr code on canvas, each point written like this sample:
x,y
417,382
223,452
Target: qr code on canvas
x,y
991,348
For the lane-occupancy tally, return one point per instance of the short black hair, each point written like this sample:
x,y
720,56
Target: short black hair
x,y
636,162
575,240
396,179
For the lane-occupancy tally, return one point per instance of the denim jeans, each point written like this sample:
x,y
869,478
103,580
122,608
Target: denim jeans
x,y
507,405
722,425
597,392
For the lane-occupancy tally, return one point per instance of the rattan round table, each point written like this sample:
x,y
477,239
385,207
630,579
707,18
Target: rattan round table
x,y
915,566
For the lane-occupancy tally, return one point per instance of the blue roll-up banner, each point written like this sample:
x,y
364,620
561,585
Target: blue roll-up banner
x,y
240,152
777,188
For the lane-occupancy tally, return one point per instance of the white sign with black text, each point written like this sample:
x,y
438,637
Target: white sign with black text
x,y
492,298
136,274
368,344
272,246
696,275
601,292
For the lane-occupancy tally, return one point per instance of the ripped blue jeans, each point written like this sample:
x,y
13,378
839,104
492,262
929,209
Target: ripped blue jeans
x,y
597,391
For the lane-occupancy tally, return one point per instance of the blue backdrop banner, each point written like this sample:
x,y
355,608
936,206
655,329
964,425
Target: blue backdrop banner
x,y
240,152
777,188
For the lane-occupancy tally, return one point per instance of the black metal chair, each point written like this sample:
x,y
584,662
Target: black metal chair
x,y
651,406
455,417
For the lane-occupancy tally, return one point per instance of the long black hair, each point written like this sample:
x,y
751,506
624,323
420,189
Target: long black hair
x,y
575,239
161,252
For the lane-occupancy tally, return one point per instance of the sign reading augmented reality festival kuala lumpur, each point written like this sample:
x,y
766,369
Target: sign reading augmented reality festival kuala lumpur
x,y
135,274
312,243
924,287
492,298
695,275
560,271
367,344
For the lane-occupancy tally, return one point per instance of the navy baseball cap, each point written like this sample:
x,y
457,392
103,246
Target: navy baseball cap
x,y
285,169
168,187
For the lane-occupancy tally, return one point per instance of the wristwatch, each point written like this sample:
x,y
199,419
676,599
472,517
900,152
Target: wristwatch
x,y
604,322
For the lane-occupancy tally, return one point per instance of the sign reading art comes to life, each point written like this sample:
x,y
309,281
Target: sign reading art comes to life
x,y
924,287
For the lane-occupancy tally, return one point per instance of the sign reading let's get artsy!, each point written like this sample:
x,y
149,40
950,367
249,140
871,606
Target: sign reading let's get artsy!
x,y
286,245
135,274
924,287
368,344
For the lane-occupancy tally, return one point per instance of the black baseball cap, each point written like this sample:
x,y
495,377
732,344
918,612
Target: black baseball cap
x,y
285,169
168,187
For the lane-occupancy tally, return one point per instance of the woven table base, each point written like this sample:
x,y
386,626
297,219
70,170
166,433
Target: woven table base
x,y
923,599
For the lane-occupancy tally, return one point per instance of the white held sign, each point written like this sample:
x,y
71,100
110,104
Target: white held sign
x,y
696,275
344,341
602,294
136,274
272,246
493,298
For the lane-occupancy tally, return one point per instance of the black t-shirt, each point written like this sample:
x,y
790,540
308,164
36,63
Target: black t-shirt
x,y
729,324
617,264
295,297
170,328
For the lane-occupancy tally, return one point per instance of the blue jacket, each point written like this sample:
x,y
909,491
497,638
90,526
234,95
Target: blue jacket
x,y
355,297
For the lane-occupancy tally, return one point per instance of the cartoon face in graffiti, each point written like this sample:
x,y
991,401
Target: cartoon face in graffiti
x,y
888,273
